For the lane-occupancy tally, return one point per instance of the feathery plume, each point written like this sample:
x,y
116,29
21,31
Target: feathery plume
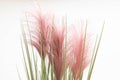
x,y
79,56
39,32
57,55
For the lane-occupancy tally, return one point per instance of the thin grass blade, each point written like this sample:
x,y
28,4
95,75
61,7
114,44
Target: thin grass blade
x,y
95,54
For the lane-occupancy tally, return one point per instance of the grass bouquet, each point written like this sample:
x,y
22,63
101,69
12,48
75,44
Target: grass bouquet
x,y
54,50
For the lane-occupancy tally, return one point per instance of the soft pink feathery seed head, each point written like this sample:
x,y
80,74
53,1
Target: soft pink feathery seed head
x,y
75,54
40,32
57,54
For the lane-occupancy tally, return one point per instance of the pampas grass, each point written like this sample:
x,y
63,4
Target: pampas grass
x,y
60,57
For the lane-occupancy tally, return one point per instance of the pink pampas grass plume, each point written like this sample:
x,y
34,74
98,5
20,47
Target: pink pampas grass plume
x,y
39,32
79,56
57,55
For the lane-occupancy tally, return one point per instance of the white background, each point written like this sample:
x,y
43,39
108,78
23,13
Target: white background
x,y
107,66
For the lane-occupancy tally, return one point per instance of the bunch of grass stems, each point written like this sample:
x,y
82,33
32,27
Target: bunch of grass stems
x,y
37,68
